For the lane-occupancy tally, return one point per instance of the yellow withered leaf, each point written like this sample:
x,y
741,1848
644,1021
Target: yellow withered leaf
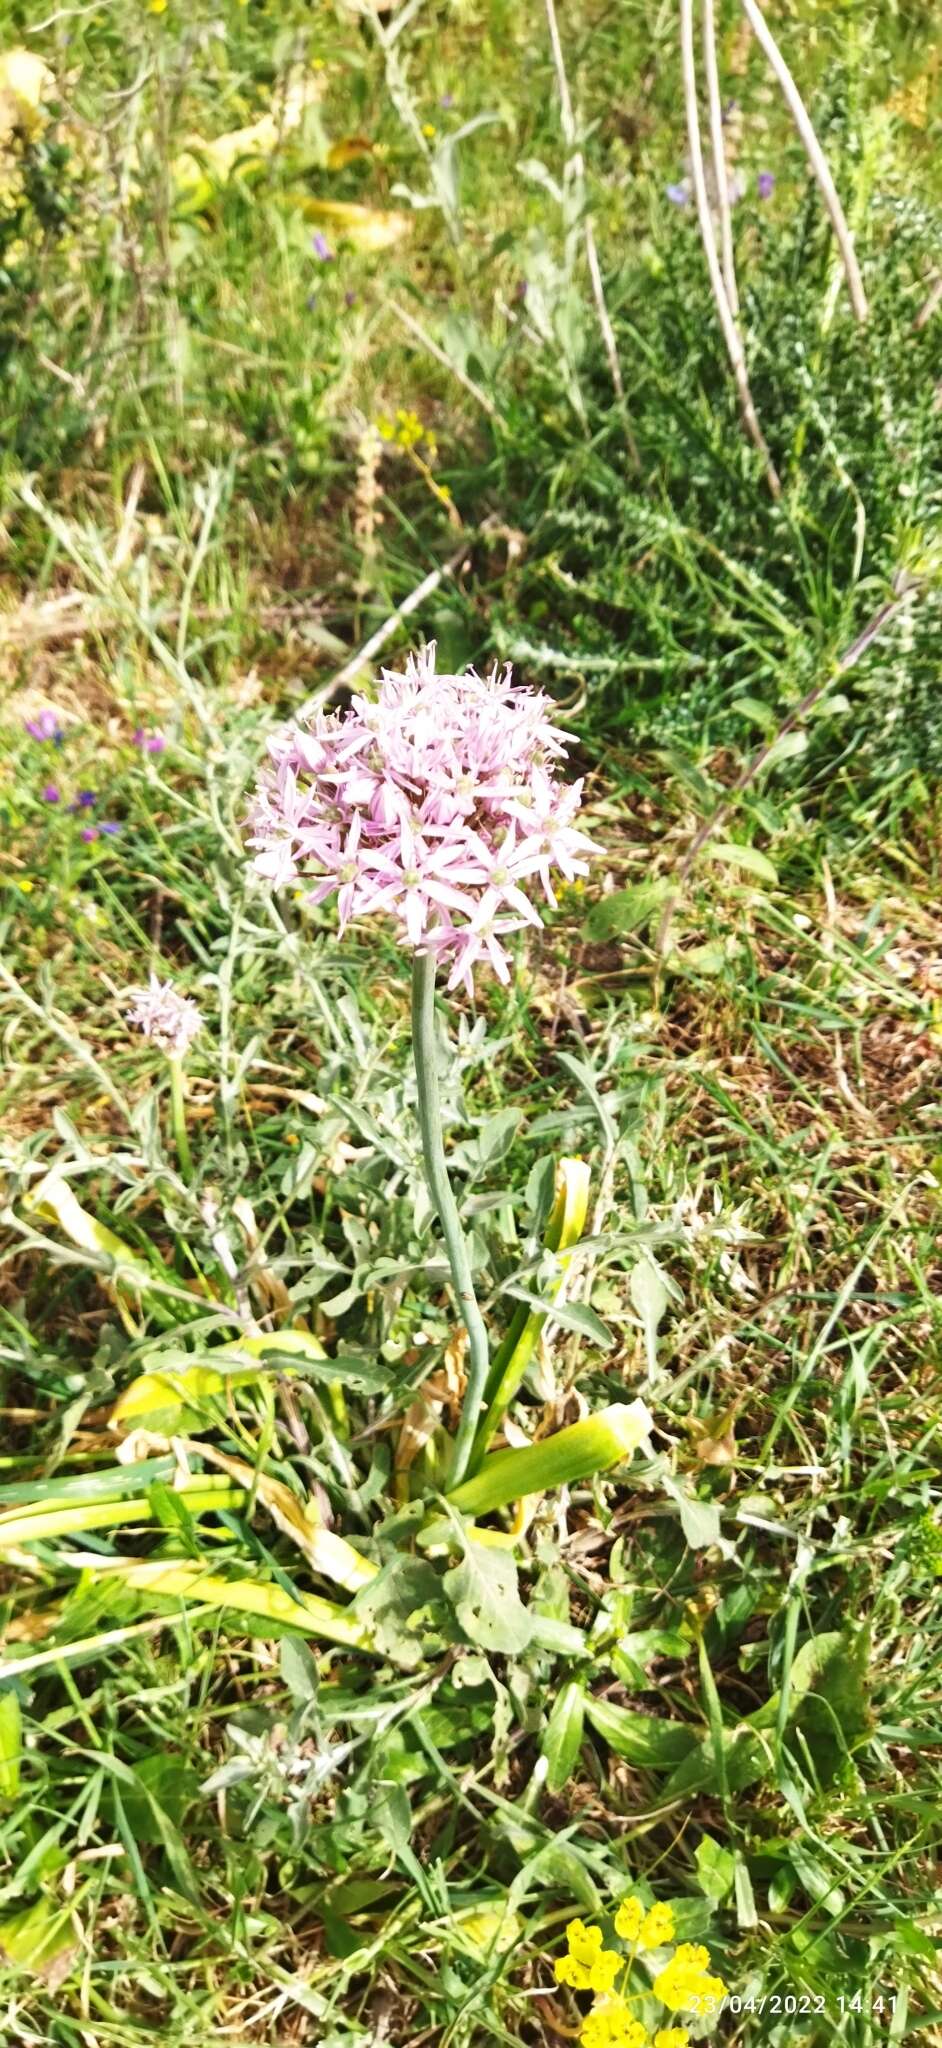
x,y
367,227
347,150
52,1200
172,1394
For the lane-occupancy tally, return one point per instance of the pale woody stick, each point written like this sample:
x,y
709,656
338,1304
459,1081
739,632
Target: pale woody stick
x,y
815,155
731,334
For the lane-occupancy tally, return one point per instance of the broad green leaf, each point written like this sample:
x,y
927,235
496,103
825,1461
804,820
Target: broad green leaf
x,y
40,1940
649,1299
496,1136
747,857
398,1605
11,1744
298,1669
758,713
570,1315
484,1931
626,910
716,1868
709,959
819,1880
594,1445
562,1735
391,1815
699,1519
642,1739
483,1592
746,1757
788,748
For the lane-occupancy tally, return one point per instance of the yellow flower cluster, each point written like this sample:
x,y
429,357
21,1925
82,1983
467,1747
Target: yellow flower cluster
x,y
589,1965
610,2025
685,1984
406,429
647,1928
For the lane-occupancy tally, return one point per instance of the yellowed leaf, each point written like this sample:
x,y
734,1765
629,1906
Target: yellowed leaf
x,y
367,227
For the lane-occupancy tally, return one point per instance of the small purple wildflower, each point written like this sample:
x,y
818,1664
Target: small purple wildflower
x,y
678,195
109,826
435,805
45,727
50,794
89,832
167,1018
149,742
766,184
85,801
321,247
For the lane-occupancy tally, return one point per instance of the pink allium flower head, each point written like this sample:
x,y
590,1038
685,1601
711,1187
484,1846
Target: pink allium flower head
x,y
169,1019
435,804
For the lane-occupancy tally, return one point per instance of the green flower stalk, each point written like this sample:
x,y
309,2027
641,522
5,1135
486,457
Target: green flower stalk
x,y
425,1054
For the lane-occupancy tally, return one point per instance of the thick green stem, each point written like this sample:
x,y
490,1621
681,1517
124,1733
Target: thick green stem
x,y
425,1052
178,1119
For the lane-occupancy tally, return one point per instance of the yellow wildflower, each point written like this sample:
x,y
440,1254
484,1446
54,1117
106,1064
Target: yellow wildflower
x,y
685,1983
611,2025
408,428
589,1966
658,1927
385,426
429,129
629,1919
157,6
26,885
606,1967
671,2037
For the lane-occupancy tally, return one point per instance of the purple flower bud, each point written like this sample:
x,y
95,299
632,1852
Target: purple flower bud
x,y
109,827
50,794
678,195
86,800
149,742
766,184
322,248
45,727
89,832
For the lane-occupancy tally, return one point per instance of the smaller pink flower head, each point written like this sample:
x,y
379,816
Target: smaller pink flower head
x,y
435,804
170,1020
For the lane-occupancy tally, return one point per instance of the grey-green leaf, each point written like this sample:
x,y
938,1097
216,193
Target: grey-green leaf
x,y
483,1592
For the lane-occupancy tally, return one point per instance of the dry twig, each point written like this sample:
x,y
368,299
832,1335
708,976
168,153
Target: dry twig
x,y
731,333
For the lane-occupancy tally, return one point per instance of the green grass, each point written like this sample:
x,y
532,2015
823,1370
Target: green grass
x,y
213,1823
